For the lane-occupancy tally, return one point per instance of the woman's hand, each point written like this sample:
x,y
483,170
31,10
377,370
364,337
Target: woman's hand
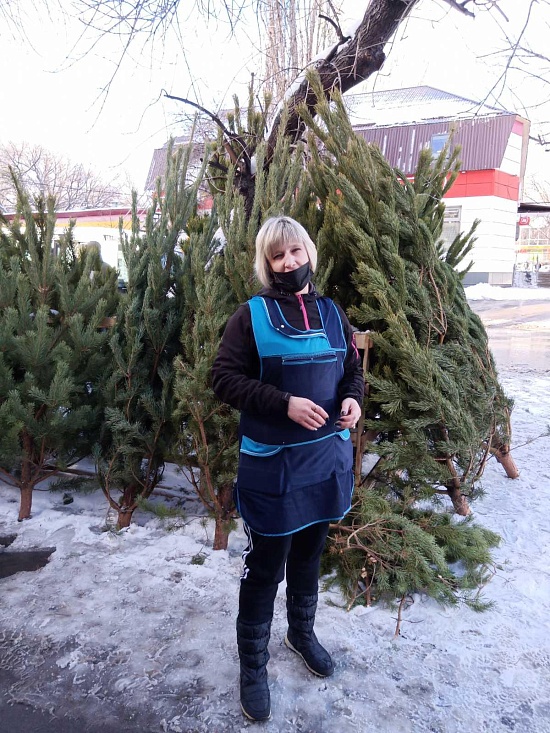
x,y
350,412
306,413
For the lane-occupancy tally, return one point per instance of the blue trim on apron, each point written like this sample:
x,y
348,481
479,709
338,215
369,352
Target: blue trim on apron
x,y
290,477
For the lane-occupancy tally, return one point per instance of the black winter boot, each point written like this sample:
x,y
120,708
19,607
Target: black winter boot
x,y
252,641
300,636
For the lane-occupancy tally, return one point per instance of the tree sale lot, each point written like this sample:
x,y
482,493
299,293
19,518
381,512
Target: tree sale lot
x,y
139,394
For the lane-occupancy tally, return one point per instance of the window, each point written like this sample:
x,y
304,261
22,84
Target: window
x,y
451,225
438,142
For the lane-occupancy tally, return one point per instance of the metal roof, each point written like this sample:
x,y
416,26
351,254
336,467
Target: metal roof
x,y
403,121
412,104
483,140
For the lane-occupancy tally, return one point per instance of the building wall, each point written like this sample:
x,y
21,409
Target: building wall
x,y
485,183
494,252
482,140
108,240
493,153
491,196
512,159
101,226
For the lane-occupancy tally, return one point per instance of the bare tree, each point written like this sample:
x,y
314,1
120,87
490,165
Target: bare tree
x,y
131,19
16,15
352,59
525,64
42,172
294,32
290,31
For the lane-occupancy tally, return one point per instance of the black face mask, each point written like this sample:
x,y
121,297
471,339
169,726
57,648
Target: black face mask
x,y
294,280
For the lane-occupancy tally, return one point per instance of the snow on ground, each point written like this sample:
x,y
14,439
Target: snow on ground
x,y
137,628
483,291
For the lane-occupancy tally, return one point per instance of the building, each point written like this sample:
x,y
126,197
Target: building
x,y
157,170
493,152
101,226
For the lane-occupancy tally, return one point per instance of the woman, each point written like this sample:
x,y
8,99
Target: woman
x,y
288,361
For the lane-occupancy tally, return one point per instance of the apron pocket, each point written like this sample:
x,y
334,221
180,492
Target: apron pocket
x,y
261,469
313,377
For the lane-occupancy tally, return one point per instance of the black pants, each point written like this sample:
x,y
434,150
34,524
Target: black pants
x,y
265,559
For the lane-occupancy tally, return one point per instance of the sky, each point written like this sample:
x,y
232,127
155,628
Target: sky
x,y
54,71
135,631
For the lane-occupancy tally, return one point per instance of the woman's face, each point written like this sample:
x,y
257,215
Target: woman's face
x,y
287,257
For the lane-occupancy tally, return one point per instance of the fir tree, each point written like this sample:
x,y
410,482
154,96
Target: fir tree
x,y
207,429
434,402
139,432
378,236
53,351
218,276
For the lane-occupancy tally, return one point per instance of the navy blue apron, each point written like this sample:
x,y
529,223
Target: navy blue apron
x,y
290,477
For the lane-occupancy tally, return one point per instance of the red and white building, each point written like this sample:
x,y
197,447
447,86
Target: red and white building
x,y
493,153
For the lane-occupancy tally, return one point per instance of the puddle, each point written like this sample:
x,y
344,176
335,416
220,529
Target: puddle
x,y
515,347
13,561
518,330
6,540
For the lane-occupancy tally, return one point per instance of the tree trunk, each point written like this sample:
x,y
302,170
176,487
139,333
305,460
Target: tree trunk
x,y
460,502
221,533
503,456
223,516
124,517
127,506
26,486
349,64
25,504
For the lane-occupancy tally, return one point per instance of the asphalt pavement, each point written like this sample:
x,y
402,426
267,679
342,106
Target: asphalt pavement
x,y
519,331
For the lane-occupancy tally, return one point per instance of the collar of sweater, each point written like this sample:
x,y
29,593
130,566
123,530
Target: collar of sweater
x,y
280,295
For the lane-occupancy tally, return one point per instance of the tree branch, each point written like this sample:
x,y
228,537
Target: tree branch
x,y
347,64
336,27
207,112
461,7
513,51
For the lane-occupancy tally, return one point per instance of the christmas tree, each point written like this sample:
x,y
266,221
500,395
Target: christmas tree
x,y
207,429
218,276
139,431
53,350
381,257
434,408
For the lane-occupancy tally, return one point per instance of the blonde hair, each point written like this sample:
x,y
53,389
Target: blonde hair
x,y
276,231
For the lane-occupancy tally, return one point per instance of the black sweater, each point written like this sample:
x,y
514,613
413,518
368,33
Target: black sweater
x,y
236,369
